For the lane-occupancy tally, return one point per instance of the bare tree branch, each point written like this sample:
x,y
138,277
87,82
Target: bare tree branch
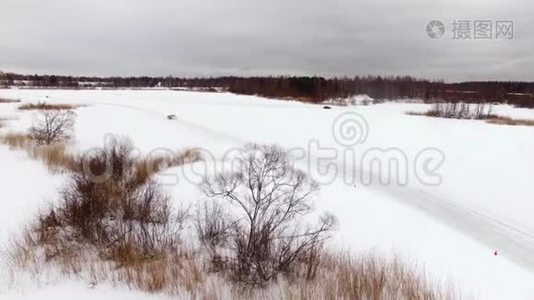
x,y
270,197
52,126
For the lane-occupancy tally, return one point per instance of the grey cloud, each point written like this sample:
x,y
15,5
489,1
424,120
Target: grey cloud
x,y
252,37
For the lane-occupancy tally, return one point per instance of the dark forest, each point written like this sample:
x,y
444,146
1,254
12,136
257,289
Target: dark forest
x,y
310,89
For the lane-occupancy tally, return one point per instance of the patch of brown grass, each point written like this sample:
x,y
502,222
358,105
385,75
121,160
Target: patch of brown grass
x,y
5,100
55,156
16,140
499,120
491,119
185,157
58,158
417,113
148,166
177,272
47,106
343,276
184,272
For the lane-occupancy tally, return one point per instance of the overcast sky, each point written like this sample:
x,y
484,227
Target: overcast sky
x,y
253,37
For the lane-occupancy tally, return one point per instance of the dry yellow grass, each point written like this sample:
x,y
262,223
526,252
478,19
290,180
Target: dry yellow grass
x,y
56,156
178,272
185,157
510,121
343,276
16,140
491,119
148,166
416,113
183,272
6,100
47,106
58,159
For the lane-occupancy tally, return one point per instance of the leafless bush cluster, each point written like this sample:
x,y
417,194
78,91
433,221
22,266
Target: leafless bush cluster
x,y
480,111
52,126
113,224
47,106
46,139
105,207
267,233
214,227
125,217
460,110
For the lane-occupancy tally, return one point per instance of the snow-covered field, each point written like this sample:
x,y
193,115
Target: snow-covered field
x,y
451,228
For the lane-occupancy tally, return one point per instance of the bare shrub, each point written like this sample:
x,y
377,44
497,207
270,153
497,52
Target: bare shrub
x,y
270,198
112,225
125,219
214,227
213,224
47,106
45,141
471,111
52,126
460,110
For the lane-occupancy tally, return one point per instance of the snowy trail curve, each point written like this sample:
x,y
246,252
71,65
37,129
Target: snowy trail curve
x,y
513,243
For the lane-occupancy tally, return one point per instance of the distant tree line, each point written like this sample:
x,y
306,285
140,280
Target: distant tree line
x,y
312,89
